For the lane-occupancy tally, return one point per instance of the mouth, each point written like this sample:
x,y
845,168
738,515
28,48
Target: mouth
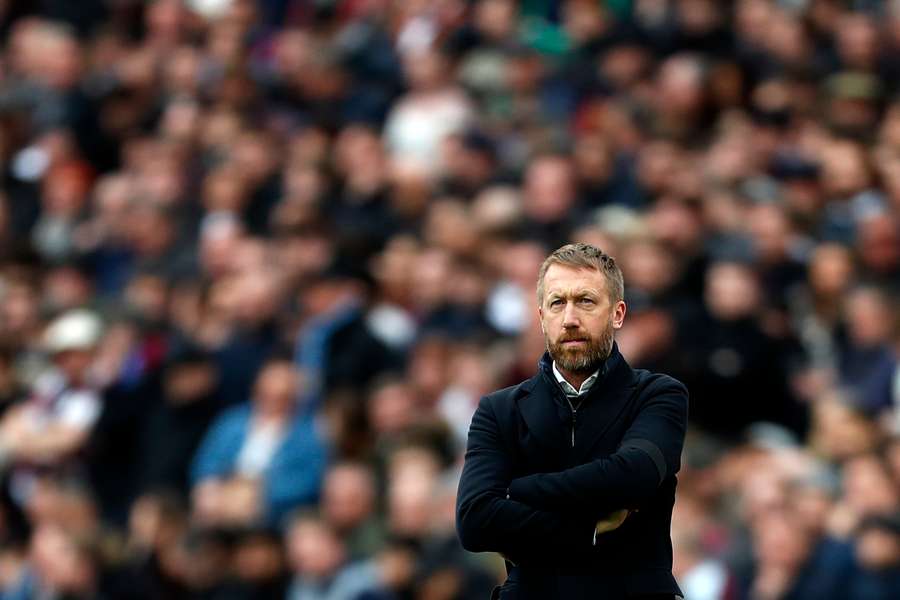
x,y
574,342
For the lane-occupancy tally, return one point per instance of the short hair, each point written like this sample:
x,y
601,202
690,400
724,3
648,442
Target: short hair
x,y
584,256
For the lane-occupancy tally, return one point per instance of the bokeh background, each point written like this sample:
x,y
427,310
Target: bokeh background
x,y
259,259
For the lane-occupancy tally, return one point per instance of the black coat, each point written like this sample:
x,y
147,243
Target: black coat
x,y
538,476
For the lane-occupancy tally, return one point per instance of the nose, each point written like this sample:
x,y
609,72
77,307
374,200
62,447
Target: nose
x,y
570,317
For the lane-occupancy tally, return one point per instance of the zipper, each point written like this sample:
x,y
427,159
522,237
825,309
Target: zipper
x,y
574,418
561,393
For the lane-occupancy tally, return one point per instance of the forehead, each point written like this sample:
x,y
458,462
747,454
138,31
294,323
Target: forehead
x,y
278,372
564,278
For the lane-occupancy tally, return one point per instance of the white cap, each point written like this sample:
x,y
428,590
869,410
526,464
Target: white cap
x,y
210,9
75,330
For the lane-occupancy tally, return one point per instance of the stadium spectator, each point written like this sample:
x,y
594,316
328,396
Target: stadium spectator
x,y
259,460
368,188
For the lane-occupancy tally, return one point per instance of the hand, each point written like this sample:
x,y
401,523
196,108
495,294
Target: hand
x,y
242,501
612,521
15,429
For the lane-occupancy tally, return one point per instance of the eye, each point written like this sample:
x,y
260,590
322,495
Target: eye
x,y
556,302
587,302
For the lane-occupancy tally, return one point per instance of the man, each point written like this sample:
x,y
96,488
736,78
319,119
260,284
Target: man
x,y
571,474
261,459
47,433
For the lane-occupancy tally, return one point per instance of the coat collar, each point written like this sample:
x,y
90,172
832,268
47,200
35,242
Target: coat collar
x,y
549,417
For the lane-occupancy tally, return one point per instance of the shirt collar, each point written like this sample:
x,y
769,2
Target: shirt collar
x,y
569,389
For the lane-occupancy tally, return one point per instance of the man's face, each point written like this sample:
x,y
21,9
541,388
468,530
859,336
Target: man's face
x,y
74,363
276,389
578,317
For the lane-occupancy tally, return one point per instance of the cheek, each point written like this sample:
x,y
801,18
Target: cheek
x,y
550,323
599,323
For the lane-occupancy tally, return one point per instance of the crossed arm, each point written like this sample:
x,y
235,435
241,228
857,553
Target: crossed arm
x,y
552,516
649,453
488,520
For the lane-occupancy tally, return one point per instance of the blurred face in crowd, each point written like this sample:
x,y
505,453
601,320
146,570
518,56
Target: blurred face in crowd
x,y
313,548
431,277
148,296
112,199
680,85
258,291
731,291
258,558
495,19
878,548
830,270
771,232
53,503
189,381
65,190
66,287
426,70
584,21
811,505
276,389
675,223
523,260
156,521
19,306
413,478
549,189
348,495
656,166
427,370
839,432
205,557
624,66
447,227
787,39
393,268
857,41
392,407
220,238
879,243
74,363
151,230
578,317
780,541
869,317
762,493
255,156
648,266
594,160
845,169
62,565
868,486
224,190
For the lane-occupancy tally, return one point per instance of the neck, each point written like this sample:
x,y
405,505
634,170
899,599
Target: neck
x,y
271,417
575,378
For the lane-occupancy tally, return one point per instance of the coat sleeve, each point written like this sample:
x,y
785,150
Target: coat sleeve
x,y
649,453
216,455
486,520
295,476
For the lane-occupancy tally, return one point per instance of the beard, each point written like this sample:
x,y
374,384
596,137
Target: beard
x,y
584,359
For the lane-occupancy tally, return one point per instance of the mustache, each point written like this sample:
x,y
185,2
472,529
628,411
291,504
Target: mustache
x,y
585,357
574,338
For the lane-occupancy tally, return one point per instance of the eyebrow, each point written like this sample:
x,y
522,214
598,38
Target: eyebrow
x,y
580,293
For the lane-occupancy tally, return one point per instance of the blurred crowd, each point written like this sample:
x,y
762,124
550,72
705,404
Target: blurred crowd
x,y
259,259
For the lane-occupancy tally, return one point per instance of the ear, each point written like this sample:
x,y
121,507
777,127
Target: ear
x,y
618,316
541,318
